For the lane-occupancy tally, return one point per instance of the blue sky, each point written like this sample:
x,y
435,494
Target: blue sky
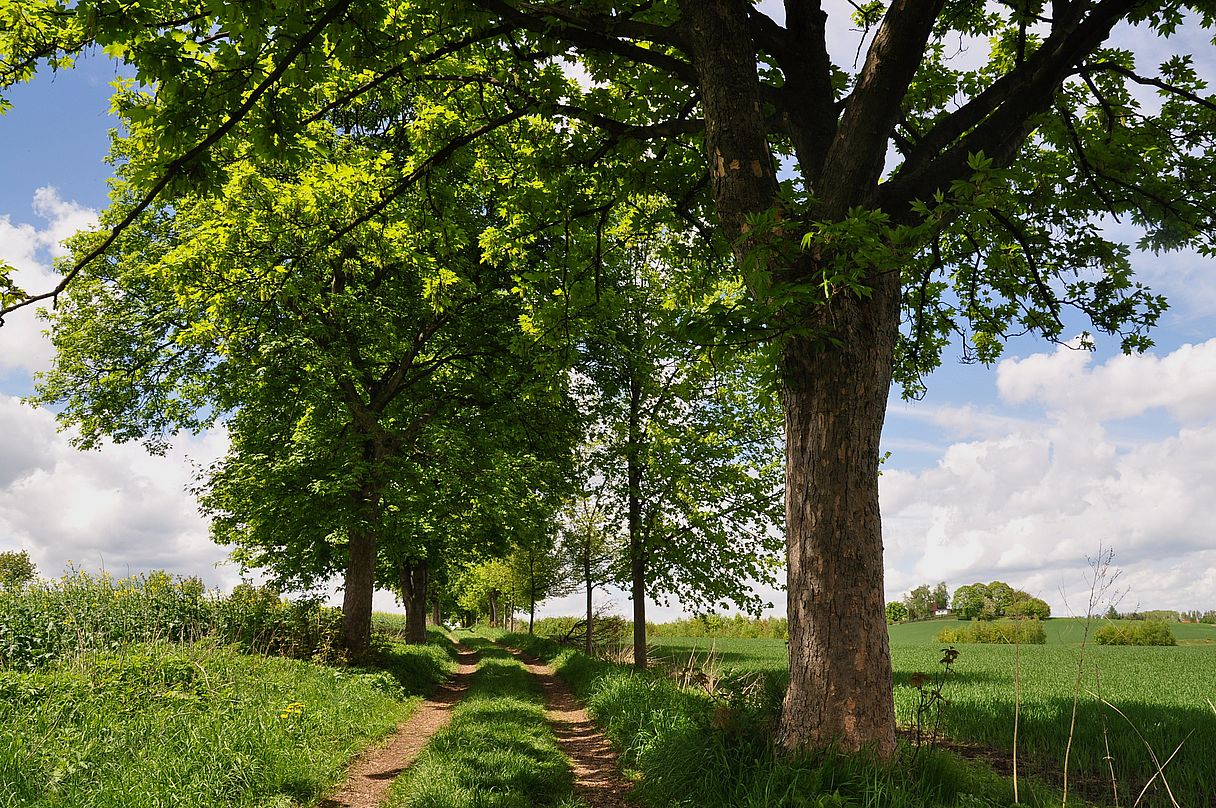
x,y
1015,472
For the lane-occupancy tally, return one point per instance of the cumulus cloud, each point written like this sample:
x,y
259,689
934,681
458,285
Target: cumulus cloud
x,y
30,250
1029,505
118,508
1183,383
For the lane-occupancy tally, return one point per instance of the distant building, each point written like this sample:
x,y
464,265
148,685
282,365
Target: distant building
x,y
941,612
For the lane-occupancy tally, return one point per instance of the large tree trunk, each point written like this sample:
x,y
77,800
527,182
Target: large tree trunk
x,y
357,591
436,614
835,399
415,576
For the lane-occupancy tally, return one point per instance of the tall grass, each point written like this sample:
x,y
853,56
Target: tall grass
x,y
49,620
201,726
1162,691
693,748
134,692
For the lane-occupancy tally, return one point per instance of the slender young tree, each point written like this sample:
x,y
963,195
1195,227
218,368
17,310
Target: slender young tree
x,y
589,539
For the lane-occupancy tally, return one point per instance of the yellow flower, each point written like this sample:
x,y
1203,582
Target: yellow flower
x,y
292,710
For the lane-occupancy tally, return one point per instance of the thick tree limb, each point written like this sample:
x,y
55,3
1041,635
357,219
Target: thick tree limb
x,y
855,159
523,17
997,121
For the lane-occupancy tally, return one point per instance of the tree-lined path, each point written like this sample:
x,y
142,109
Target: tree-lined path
x,y
503,728
597,777
372,774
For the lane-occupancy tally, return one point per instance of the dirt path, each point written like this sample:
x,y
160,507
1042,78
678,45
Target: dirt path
x,y
370,776
597,779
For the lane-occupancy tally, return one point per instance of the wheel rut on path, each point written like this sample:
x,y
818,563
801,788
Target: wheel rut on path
x,y
593,761
371,775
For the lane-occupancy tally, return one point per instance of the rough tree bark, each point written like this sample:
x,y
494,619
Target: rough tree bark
x,y
835,401
359,584
436,614
357,590
834,398
415,578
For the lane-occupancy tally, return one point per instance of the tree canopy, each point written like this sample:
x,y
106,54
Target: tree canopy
x,y
872,213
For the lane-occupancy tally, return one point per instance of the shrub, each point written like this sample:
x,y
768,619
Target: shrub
x,y
1008,632
715,625
1147,632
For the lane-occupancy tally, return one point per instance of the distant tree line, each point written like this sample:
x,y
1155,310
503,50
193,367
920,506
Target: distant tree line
x,y
1168,615
997,599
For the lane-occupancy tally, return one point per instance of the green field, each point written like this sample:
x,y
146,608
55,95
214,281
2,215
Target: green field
x,y
1165,695
1061,630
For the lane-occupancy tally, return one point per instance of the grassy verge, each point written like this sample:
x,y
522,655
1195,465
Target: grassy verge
x,y
203,726
693,750
498,751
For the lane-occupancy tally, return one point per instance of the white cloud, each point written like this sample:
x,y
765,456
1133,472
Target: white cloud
x,y
1030,505
29,250
1183,383
118,507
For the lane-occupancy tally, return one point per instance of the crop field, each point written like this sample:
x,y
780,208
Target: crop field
x,y
1155,697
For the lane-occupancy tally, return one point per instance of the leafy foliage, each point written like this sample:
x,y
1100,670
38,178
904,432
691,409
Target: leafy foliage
x,y
16,569
1019,632
1147,632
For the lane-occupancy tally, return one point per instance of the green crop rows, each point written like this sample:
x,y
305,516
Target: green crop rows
x,y
1155,697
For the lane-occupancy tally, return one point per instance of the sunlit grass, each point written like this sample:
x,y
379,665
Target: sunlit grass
x,y
1162,693
498,751
192,726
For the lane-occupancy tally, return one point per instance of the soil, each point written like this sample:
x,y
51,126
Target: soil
x,y
370,776
597,777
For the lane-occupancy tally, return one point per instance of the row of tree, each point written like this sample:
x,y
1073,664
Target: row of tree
x,y
408,407
386,243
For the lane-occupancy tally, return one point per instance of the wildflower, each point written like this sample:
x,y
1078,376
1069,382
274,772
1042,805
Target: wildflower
x,y
291,710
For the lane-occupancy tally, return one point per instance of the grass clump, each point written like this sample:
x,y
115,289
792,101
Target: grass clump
x,y
498,751
998,632
176,725
1140,632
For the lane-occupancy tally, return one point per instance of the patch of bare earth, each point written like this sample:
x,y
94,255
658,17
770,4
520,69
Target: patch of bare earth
x,y
371,775
597,778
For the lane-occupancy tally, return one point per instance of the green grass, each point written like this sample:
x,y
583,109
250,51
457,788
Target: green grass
x,y
498,751
199,726
1164,693
690,749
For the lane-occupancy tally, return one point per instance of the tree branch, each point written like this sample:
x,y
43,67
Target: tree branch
x,y
177,165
